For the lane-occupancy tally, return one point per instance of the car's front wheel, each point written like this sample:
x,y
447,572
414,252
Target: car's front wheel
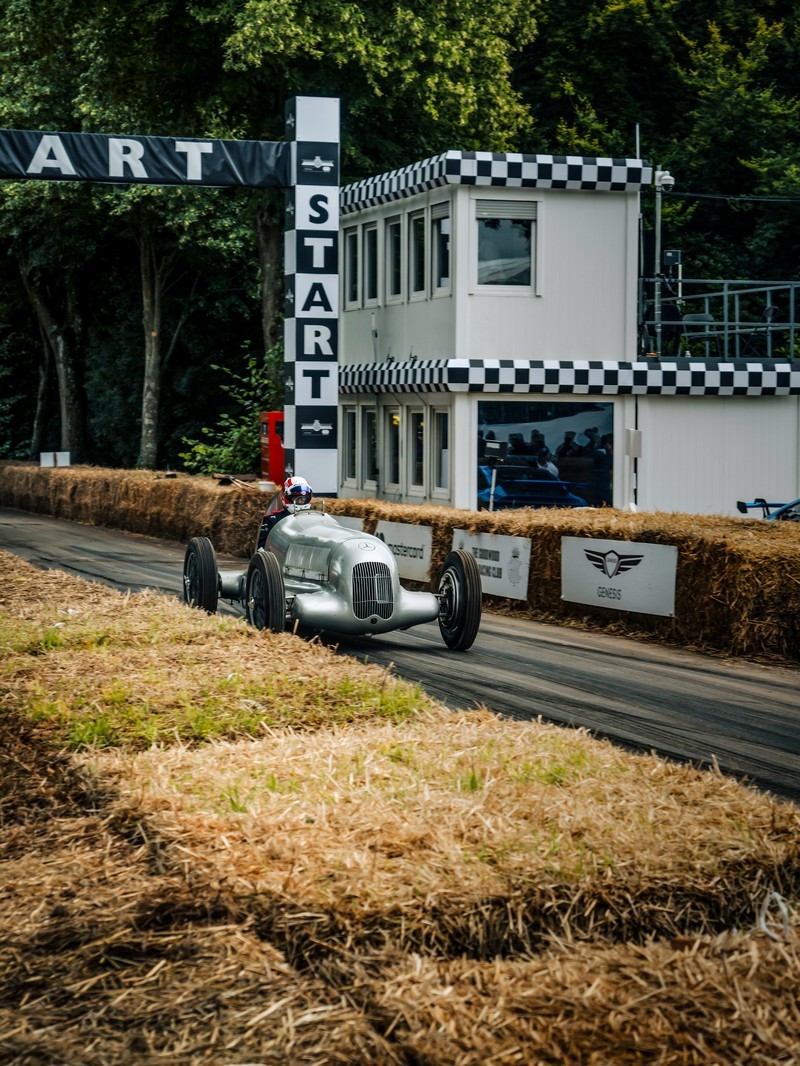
x,y
265,595
460,597
200,576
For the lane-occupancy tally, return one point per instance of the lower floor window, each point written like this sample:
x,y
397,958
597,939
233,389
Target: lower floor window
x,y
441,450
392,458
400,450
369,444
416,449
541,454
349,443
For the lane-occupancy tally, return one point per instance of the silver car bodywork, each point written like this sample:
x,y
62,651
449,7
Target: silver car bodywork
x,y
342,580
319,575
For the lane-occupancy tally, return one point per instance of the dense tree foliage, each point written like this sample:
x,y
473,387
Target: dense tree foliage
x,y
117,301
708,89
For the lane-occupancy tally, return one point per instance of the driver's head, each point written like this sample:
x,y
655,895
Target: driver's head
x,y
296,494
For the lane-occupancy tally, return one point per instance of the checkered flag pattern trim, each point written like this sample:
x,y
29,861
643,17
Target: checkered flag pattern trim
x,y
695,377
505,169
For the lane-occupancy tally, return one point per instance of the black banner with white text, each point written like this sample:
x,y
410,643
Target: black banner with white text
x,y
25,155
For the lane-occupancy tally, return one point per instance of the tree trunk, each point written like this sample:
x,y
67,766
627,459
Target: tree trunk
x,y
153,273
270,259
37,432
60,339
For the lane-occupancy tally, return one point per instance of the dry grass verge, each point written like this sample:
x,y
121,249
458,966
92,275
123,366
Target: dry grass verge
x,y
350,882
107,959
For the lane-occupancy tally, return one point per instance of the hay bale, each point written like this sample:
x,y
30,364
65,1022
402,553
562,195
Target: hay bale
x,y
738,580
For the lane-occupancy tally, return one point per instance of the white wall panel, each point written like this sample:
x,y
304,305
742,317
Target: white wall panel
x,y
702,454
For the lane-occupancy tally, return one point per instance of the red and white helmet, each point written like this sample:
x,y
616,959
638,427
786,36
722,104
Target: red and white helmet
x,y
296,494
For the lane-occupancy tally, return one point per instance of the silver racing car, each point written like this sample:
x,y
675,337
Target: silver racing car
x,y
324,577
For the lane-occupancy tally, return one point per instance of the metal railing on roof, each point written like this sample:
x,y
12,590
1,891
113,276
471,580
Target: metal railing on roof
x,y
719,318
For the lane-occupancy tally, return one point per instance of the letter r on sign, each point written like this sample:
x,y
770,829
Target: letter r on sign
x,y
122,152
317,339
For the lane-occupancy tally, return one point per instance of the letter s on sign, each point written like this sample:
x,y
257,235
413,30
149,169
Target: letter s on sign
x,y
319,205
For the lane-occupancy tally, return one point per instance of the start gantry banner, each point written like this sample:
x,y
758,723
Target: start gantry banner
x,y
26,154
306,165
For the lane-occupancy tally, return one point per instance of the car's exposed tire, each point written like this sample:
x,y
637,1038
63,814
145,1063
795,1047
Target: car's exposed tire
x,y
460,595
200,576
265,595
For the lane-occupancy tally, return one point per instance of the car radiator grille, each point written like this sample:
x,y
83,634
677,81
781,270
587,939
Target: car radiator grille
x,y
372,590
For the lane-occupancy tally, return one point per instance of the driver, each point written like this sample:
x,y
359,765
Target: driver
x,y
296,495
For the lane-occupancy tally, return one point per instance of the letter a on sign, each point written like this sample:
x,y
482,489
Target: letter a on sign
x,y
50,155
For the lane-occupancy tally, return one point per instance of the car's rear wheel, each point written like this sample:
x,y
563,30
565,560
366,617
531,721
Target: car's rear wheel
x,y
265,595
460,596
200,576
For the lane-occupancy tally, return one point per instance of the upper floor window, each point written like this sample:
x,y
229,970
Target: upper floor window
x,y
394,259
416,254
351,267
505,242
440,246
371,264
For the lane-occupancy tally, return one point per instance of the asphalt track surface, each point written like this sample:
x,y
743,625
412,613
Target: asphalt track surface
x,y
743,716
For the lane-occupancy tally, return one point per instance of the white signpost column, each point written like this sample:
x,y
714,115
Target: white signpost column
x,y
311,328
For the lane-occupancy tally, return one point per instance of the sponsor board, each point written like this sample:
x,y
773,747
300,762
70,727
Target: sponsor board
x,y
619,574
54,459
503,562
350,522
410,545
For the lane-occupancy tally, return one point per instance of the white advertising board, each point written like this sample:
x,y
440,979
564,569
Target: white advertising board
x,y
620,574
54,458
349,522
410,545
503,562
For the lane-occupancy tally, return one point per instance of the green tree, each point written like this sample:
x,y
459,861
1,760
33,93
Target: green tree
x,y
708,89
232,446
415,78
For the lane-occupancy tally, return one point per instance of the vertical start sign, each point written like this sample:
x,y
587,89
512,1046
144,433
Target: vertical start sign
x,y
312,293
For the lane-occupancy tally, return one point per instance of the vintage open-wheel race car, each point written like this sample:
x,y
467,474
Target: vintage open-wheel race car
x,y
315,574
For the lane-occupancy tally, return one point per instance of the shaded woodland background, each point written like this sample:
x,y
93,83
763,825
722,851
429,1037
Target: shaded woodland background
x,y
115,296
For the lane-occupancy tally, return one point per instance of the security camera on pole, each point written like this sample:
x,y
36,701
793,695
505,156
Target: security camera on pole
x,y
662,180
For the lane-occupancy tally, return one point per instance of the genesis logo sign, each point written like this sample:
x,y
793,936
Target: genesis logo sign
x,y
612,563
622,575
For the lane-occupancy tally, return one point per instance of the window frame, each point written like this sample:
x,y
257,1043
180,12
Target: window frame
x,y
393,270
369,448
440,458
392,459
501,211
351,289
417,451
417,257
441,283
350,446
370,264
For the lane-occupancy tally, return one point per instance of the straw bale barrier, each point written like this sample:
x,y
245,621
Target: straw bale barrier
x,y
738,580
360,877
